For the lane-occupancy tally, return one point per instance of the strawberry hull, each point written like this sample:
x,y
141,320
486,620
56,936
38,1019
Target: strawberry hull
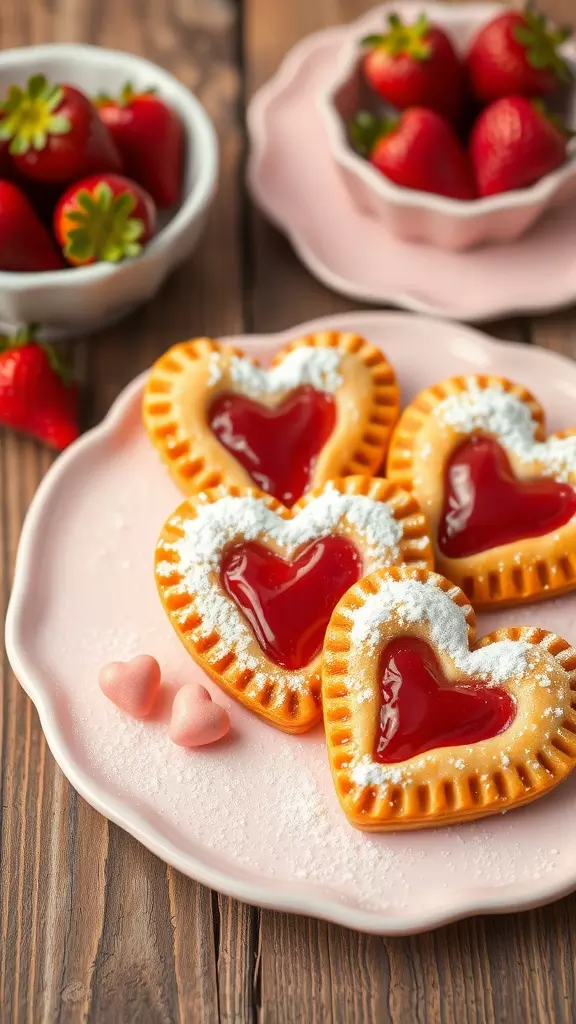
x,y
105,217
68,141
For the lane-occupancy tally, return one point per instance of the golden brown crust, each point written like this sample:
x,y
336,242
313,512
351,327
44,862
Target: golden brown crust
x,y
180,389
445,785
288,700
536,567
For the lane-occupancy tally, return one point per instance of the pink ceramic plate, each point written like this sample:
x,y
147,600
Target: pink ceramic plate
x,y
256,815
295,181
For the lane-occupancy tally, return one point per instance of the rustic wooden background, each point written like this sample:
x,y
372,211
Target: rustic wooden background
x,y
92,926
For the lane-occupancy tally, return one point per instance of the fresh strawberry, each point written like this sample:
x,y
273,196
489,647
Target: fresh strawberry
x,y
419,150
55,133
150,139
516,54
104,217
36,395
6,165
514,143
24,241
415,66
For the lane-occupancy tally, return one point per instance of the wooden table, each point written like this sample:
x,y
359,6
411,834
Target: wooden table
x,y
92,926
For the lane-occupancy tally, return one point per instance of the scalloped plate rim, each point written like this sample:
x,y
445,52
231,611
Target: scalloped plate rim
x,y
512,897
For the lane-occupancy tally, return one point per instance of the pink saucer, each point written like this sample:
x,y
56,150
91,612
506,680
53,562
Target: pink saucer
x,y
295,182
255,815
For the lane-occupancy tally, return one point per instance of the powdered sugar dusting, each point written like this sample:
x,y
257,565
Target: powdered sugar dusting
x,y
260,806
317,367
411,601
246,519
495,411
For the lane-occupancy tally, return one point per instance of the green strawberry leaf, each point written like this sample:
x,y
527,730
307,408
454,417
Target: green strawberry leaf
x,y
365,130
403,40
101,227
541,44
28,115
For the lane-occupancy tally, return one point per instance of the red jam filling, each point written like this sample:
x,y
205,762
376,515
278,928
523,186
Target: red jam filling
x,y
485,505
420,710
289,604
277,446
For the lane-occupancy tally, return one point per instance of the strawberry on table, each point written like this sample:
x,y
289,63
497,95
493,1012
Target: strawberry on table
x,y
24,241
514,143
104,217
55,133
37,395
517,54
150,139
418,150
415,66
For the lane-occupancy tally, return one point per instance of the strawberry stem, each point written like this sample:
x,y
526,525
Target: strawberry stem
x,y
124,97
541,44
30,115
365,130
401,39
104,228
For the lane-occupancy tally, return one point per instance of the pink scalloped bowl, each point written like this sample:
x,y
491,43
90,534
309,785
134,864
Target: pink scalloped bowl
x,y
419,216
255,815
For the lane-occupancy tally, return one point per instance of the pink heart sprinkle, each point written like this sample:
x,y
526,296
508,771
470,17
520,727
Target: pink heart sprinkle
x,y
132,685
196,719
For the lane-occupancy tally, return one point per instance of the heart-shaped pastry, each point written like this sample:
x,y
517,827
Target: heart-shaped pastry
x,y
250,585
424,725
324,409
132,685
196,720
499,496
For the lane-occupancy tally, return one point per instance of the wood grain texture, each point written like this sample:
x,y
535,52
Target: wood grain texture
x,y
94,928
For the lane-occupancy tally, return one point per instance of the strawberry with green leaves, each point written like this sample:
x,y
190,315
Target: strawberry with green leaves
x,y
37,395
517,54
54,133
150,139
417,150
104,217
415,66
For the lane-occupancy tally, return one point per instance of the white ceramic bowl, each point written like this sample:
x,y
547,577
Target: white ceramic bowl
x,y
410,215
85,298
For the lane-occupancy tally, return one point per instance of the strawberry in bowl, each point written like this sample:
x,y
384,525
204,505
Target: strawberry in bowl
x,y
418,150
497,170
104,217
150,138
414,66
87,190
517,54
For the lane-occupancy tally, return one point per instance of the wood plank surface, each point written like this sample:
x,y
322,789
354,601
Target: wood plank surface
x,y
94,928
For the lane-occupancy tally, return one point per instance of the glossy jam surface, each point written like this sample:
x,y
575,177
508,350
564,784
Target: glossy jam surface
x,y
289,604
421,710
277,446
485,505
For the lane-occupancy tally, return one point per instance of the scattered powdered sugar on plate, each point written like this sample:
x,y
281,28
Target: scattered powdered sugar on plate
x,y
317,367
260,805
246,519
495,411
411,601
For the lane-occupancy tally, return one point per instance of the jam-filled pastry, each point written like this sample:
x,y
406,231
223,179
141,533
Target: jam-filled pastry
x,y
324,409
425,725
499,495
250,585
